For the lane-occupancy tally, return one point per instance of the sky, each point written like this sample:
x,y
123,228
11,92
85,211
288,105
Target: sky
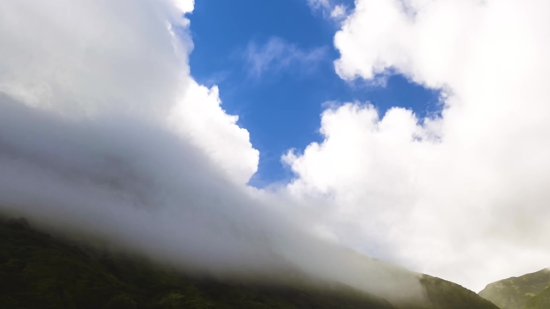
x,y
281,102
245,135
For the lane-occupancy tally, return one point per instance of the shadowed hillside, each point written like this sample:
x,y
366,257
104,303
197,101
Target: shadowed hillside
x,y
516,292
39,271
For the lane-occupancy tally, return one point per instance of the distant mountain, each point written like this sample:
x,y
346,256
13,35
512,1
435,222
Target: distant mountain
x,y
517,292
38,271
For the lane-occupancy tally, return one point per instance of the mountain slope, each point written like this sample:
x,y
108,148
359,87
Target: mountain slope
x,y
516,292
540,301
442,294
39,271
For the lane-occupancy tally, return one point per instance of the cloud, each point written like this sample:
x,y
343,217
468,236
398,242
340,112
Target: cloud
x,y
318,4
87,62
329,9
185,6
277,55
199,118
338,12
104,132
463,196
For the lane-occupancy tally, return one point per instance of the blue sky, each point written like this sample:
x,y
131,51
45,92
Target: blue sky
x,y
280,96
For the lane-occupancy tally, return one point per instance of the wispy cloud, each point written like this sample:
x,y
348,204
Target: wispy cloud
x,y
329,9
277,54
318,4
339,11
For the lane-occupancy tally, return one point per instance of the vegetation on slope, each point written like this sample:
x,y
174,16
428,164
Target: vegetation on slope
x,y
39,271
516,292
540,301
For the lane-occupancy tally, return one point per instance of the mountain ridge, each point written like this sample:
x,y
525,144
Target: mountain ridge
x,y
40,271
520,292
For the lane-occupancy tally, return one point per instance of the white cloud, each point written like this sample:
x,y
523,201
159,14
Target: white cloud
x,y
185,6
77,60
198,116
338,12
465,196
277,54
87,62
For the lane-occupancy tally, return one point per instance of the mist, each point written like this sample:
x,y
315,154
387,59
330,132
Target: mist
x,y
104,132
142,188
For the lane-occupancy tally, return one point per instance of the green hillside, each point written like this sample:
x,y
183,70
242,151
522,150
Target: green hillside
x,y
516,292
38,271
540,301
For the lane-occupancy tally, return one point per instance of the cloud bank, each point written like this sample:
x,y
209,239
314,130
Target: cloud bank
x,y
462,196
103,131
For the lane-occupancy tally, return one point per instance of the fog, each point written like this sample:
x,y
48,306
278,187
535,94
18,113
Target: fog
x,y
99,136
140,187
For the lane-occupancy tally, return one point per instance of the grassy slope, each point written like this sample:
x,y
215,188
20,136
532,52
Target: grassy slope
x,y
515,292
38,271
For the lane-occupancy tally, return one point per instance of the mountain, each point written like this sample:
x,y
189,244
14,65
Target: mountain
x,y
39,271
442,294
516,292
